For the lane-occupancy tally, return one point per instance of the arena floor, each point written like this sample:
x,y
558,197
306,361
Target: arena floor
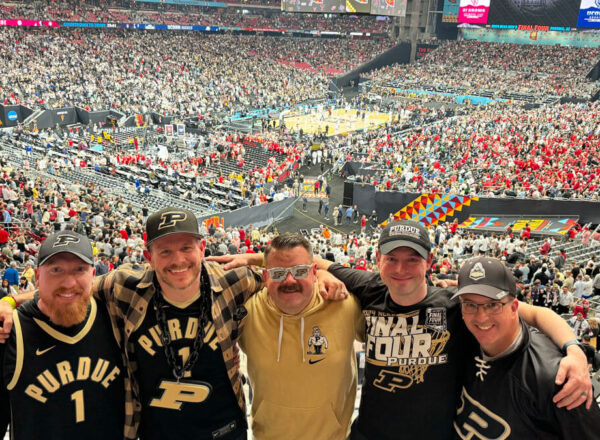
x,y
339,121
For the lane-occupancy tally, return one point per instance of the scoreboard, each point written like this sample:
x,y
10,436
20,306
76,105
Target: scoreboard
x,y
531,14
373,7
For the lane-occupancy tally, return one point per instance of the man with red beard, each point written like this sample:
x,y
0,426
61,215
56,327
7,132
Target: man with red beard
x,y
62,372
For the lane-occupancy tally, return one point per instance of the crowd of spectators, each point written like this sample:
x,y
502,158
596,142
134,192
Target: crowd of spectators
x,y
156,13
141,72
501,68
503,150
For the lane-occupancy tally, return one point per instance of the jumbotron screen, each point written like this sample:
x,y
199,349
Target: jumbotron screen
x,y
388,7
552,13
320,6
540,12
358,6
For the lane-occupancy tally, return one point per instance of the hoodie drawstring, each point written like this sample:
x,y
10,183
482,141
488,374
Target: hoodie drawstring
x,y
280,337
302,337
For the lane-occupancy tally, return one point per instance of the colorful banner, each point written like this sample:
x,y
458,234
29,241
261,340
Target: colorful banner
x,y
473,11
589,13
430,209
545,226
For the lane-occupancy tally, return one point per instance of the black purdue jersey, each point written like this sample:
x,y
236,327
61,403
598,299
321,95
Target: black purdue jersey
x,y
63,383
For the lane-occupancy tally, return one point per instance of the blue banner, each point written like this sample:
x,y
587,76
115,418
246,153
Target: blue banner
x,y
589,14
87,25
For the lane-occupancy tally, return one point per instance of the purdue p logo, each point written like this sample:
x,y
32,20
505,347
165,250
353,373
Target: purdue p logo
x,y
65,240
175,393
170,219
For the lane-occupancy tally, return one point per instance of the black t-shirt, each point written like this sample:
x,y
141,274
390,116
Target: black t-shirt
x,y
62,383
202,403
414,359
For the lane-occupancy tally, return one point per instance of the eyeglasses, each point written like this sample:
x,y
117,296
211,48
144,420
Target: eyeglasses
x,y
299,272
491,308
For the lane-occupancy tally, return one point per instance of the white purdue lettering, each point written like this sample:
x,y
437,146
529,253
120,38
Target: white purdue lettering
x,y
421,345
383,327
383,347
400,349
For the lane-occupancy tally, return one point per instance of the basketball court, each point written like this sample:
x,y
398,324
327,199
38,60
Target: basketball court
x,y
340,121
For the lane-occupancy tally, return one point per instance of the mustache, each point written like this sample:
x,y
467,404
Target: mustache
x,y
290,288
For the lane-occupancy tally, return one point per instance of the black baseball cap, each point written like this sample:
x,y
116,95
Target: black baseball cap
x,y
405,233
66,241
486,276
169,221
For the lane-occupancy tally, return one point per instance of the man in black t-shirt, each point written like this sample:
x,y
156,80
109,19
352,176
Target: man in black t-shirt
x,y
416,344
62,372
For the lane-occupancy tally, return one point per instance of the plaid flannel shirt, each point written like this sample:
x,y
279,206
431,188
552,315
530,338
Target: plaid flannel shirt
x,y
127,293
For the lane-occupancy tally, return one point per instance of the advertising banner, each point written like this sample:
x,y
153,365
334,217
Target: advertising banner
x,y
589,14
473,11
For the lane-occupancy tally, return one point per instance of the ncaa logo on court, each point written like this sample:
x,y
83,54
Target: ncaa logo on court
x,y
597,3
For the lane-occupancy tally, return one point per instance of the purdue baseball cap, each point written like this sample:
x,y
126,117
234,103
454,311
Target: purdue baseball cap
x,y
66,241
486,276
169,221
405,233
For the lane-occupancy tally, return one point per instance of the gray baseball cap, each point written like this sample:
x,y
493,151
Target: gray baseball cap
x,y
66,241
486,276
405,233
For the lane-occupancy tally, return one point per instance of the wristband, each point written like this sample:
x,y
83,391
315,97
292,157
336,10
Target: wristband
x,y
9,299
569,343
263,260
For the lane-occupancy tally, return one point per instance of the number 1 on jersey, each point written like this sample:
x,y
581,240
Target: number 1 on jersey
x,y
77,396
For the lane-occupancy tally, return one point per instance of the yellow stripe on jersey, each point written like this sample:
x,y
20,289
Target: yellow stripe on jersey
x,y
79,336
19,349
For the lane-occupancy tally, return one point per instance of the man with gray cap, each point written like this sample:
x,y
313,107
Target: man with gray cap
x,y
62,372
509,384
416,343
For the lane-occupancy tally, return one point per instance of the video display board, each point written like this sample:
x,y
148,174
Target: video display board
x,y
358,6
534,12
473,11
396,8
319,6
